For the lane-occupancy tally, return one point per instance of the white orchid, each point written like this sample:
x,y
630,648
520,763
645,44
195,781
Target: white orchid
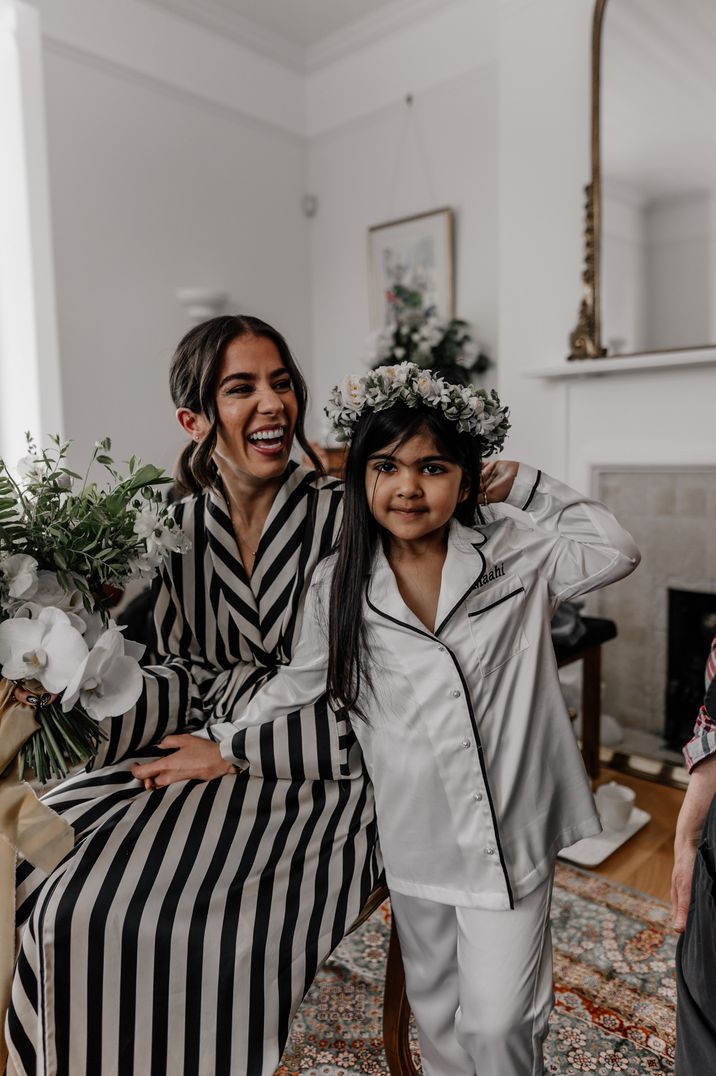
x,y
47,648
109,681
32,469
143,566
19,572
49,592
92,626
158,538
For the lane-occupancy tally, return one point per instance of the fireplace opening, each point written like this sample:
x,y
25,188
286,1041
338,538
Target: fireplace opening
x,y
691,627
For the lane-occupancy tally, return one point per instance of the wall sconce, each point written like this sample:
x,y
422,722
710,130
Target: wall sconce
x,y
201,303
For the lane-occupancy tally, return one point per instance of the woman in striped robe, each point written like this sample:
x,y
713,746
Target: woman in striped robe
x,y
182,932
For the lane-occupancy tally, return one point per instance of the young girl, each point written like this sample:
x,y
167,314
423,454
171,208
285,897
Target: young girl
x,y
439,647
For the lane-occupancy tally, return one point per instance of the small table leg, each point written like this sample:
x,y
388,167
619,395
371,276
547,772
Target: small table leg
x,y
396,1013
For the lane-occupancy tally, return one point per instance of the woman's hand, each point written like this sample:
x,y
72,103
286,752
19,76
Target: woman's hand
x,y
29,698
496,480
194,759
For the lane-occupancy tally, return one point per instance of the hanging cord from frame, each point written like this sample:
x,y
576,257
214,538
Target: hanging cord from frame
x,y
410,126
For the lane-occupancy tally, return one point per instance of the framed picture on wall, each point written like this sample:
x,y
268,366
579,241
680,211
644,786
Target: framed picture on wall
x,y
415,255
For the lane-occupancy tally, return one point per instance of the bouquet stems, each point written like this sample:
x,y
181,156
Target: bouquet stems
x,y
62,741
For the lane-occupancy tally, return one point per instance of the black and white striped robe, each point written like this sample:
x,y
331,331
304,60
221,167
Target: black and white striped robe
x,y
182,932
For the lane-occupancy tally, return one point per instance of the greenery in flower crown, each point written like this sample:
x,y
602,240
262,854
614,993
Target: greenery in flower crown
x,y
474,411
416,334
67,545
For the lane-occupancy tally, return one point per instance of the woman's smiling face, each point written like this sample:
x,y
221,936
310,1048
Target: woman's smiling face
x,y
256,408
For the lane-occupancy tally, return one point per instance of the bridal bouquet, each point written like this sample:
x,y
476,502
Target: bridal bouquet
x,y
67,545
416,334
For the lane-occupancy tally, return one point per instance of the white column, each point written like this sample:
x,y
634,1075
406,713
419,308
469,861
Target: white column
x,y
30,397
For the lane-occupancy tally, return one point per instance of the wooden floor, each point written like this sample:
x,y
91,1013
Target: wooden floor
x,y
646,860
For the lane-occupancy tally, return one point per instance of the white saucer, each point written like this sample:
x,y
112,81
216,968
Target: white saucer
x,y
592,851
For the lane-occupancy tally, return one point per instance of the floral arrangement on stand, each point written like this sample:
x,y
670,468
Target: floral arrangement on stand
x,y
67,547
416,334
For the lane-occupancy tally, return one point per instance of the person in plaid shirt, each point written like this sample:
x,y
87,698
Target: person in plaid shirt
x,y
693,895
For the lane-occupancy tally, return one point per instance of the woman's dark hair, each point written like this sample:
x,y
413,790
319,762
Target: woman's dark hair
x,y
348,666
193,376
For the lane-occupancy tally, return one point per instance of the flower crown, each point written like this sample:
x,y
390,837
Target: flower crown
x,y
474,411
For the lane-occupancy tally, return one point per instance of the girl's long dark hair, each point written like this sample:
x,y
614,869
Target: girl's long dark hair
x,y
193,376
348,658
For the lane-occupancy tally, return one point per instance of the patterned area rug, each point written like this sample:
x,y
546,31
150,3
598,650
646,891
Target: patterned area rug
x,y
614,987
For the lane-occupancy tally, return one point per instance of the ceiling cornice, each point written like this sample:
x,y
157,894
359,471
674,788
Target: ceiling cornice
x,y
369,29
274,46
230,24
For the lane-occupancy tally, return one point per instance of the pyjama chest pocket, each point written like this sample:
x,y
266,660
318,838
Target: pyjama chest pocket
x,y
497,622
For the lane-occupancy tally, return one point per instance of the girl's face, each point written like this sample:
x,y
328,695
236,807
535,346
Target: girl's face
x,y
414,489
256,408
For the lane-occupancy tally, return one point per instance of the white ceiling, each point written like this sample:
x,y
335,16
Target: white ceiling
x,y
659,96
304,22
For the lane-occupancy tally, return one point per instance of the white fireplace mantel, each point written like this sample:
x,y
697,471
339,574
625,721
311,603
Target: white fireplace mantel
x,y
626,364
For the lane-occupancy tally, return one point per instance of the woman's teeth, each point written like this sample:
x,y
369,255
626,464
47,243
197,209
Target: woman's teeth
x,y
267,435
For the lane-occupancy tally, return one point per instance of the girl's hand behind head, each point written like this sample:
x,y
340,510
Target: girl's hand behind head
x,y
496,480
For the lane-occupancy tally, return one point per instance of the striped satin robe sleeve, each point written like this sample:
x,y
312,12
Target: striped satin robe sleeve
x,y
276,713
177,696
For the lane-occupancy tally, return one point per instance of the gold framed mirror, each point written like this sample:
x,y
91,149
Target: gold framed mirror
x,y
649,276
585,339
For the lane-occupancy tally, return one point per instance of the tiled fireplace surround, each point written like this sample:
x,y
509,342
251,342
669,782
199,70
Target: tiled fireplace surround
x,y
639,433
671,512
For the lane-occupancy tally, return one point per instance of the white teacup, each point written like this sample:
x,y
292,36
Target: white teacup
x,y
615,803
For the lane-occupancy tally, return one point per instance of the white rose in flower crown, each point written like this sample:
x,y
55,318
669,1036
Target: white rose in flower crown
x,y
109,681
352,392
395,375
429,388
47,649
20,574
476,404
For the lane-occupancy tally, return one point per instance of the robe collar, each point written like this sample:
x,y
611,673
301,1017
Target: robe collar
x,y
239,591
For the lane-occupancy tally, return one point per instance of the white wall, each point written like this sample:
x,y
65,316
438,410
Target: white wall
x,y
362,178
148,194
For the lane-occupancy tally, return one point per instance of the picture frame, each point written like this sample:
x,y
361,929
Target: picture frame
x,y
418,252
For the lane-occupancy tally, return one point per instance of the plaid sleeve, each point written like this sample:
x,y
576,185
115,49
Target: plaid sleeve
x,y
703,743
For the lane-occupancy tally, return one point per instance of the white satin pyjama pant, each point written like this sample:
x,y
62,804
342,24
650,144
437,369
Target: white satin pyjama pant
x,y
479,983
